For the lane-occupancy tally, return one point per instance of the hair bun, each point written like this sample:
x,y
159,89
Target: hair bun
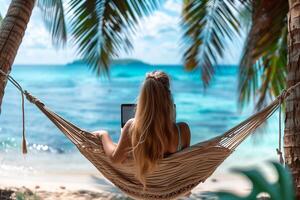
x,y
159,76
151,75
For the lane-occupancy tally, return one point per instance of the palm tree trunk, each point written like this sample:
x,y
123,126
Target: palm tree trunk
x,y
292,121
12,31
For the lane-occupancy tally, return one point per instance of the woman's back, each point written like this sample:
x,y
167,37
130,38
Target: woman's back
x,y
153,133
180,138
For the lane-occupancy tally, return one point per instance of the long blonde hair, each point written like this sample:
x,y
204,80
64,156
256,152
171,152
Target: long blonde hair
x,y
153,123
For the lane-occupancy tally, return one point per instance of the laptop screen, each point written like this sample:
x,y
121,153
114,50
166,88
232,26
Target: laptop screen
x,y
128,112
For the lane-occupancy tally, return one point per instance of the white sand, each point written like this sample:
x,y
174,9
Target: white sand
x,y
82,187
62,177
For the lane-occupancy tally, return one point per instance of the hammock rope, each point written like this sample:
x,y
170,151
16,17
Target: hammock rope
x,y
279,150
178,173
19,87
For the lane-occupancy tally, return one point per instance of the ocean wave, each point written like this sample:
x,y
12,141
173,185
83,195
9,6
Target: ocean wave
x,y
12,145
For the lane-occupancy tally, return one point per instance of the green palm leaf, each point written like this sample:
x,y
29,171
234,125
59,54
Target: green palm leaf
x,y
281,189
54,18
102,29
284,182
274,72
206,24
263,65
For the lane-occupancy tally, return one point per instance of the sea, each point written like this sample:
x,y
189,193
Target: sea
x,y
94,102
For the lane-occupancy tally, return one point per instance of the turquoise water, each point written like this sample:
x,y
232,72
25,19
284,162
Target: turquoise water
x,y
93,103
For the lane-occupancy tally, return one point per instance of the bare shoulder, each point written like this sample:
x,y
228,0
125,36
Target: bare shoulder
x,y
128,124
126,129
185,133
184,127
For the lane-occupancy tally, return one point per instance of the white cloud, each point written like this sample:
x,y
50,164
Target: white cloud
x,y
36,34
37,48
157,40
173,6
4,6
152,25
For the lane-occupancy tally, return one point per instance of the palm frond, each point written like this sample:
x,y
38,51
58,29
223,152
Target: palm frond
x,y
206,25
54,18
274,72
264,53
101,29
245,17
281,189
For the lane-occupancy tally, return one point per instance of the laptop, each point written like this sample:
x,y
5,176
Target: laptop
x,y
128,112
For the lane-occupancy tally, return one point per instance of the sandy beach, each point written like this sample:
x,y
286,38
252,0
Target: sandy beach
x,y
57,176
91,185
50,190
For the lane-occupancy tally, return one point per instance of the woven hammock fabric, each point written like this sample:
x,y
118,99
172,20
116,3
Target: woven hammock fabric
x,y
176,174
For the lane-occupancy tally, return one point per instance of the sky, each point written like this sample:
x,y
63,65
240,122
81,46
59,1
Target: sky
x,y
157,41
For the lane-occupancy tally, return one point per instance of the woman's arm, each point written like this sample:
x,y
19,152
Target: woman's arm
x,y
188,139
108,145
186,134
116,152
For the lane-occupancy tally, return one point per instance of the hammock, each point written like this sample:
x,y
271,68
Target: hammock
x,y
176,174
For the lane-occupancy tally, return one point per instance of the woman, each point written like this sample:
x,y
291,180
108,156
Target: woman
x,y
153,133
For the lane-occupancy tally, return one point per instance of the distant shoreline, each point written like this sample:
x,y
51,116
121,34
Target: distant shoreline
x,y
113,65
127,61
